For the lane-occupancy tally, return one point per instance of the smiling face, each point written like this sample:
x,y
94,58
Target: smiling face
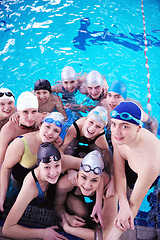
x,y
88,182
50,172
123,132
28,116
113,100
91,128
94,90
70,85
49,132
7,107
42,95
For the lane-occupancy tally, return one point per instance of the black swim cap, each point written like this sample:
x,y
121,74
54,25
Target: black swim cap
x,y
42,84
47,152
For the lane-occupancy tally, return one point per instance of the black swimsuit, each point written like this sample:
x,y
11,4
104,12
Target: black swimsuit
x,y
89,202
132,176
83,144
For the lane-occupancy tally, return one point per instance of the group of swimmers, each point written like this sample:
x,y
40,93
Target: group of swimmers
x,y
110,143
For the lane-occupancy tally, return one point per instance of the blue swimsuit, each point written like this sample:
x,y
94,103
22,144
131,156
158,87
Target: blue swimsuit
x,y
41,194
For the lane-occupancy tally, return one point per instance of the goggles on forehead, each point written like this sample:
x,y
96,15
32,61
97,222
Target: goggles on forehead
x,y
8,94
42,88
125,116
103,118
49,159
51,120
87,168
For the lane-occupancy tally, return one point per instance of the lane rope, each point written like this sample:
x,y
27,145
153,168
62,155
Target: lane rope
x,y
147,66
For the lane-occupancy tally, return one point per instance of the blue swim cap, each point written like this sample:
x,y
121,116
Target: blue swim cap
x,y
127,111
119,87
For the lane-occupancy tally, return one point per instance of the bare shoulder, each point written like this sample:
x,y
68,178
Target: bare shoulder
x,y
57,88
9,129
29,183
64,184
80,121
54,97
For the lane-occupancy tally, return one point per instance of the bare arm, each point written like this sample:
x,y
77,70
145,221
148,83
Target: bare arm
x,y
107,156
120,183
84,233
13,155
11,227
57,88
6,136
71,224
70,135
69,161
141,187
59,105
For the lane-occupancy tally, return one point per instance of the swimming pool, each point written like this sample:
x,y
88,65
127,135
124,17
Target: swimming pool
x,y
39,38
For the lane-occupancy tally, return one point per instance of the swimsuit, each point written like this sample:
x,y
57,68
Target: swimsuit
x,y
27,163
69,97
89,202
83,143
41,194
132,176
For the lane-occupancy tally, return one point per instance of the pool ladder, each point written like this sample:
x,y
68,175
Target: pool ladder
x,y
98,233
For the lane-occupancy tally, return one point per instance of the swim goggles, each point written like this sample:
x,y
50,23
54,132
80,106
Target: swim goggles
x,y
87,168
8,94
125,116
51,120
103,118
49,159
37,88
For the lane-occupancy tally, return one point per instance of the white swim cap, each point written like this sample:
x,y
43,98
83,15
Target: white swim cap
x,y
55,117
99,114
93,162
5,93
68,74
94,78
27,100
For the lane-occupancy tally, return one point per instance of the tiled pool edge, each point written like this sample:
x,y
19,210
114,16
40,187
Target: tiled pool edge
x,y
142,233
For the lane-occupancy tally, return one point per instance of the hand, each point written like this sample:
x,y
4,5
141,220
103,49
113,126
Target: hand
x,y
58,142
110,189
68,106
51,234
72,176
14,117
84,108
74,220
124,219
97,214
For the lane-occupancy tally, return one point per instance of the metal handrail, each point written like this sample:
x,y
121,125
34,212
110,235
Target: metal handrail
x,y
98,233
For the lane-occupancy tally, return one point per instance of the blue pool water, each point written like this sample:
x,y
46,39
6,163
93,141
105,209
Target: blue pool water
x,y
40,37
